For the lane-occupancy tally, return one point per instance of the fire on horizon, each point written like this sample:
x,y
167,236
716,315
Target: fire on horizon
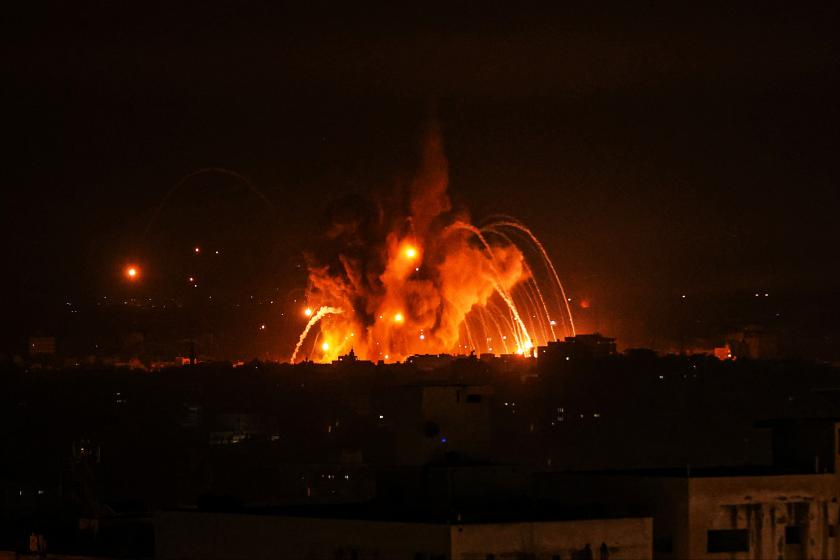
x,y
429,281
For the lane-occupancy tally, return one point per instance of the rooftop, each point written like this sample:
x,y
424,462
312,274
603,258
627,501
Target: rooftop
x,y
498,511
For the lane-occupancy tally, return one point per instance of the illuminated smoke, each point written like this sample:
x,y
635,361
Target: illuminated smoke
x,y
418,278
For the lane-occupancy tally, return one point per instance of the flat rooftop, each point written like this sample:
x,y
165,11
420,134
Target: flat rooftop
x,y
507,511
692,472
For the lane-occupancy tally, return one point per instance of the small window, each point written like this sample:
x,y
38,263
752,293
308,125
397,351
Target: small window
x,y
474,398
663,544
793,534
728,540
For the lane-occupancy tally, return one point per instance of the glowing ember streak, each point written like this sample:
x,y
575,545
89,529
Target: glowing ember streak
x,y
522,335
513,223
532,286
322,312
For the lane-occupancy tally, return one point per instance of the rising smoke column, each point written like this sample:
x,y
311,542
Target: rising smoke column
x,y
417,278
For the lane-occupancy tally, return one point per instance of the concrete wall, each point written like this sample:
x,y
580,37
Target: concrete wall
x,y
217,536
765,506
685,509
664,499
626,539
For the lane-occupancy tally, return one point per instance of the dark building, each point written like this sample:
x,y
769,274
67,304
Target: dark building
x,y
429,422
805,445
582,346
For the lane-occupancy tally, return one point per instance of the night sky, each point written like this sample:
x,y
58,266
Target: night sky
x,y
655,154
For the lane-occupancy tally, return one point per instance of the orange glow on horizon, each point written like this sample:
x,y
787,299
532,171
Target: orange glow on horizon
x,y
428,281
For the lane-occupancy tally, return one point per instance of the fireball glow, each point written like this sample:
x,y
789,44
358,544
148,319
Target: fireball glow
x,y
385,274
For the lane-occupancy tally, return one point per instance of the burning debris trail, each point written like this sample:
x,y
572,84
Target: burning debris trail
x,y
416,277
320,314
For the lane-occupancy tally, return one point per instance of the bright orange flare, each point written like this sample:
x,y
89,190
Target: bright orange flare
x,y
399,280
132,272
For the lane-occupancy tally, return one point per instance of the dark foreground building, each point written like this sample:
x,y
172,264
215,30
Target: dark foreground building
x,y
264,535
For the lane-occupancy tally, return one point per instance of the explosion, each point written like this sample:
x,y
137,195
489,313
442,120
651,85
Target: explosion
x,y
417,277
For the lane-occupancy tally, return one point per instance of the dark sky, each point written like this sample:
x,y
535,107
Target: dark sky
x,y
655,153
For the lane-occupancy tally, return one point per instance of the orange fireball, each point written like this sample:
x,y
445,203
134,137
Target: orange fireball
x,y
419,278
